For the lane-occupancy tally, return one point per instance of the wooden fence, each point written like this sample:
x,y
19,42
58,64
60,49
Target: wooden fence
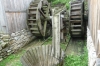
x,y
13,14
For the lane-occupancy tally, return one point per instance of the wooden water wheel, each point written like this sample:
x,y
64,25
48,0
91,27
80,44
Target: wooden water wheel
x,y
76,19
39,21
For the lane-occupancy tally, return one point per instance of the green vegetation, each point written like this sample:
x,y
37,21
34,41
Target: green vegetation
x,y
64,45
56,2
77,60
12,60
48,41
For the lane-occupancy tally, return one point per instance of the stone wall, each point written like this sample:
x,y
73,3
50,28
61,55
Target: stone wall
x,y
12,43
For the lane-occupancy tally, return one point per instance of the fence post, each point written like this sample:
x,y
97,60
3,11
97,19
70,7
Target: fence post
x,y
56,34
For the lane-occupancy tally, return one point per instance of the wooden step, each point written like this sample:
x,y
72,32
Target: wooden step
x,y
74,17
32,13
76,30
34,4
34,8
44,6
75,25
76,34
77,13
75,20
76,4
32,24
33,28
31,19
76,8
35,32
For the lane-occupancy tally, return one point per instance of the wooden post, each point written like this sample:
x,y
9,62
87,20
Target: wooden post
x,y
3,21
98,50
56,34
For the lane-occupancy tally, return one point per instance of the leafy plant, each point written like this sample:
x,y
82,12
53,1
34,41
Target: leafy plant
x,y
77,60
64,2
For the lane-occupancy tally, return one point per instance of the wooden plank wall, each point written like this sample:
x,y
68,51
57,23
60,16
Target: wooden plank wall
x,y
3,27
16,14
94,21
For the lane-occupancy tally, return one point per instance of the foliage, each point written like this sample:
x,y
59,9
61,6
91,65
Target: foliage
x,y
64,45
48,41
77,60
55,2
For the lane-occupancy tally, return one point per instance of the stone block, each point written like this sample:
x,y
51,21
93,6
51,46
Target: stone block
x,y
3,45
17,33
6,40
5,36
1,59
16,38
0,47
8,51
13,35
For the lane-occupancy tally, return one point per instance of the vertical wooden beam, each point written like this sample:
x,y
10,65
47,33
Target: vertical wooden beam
x,y
56,34
98,49
3,23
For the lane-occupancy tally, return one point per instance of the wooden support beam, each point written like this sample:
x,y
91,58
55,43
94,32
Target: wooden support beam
x,y
56,34
3,21
42,13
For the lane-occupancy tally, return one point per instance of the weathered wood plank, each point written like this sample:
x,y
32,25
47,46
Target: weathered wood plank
x,y
39,56
16,4
15,14
56,34
3,23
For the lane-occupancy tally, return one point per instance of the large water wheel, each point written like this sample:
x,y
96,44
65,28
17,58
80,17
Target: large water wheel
x,y
39,21
76,19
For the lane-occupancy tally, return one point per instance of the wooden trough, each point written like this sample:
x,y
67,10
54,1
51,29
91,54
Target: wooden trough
x,y
42,56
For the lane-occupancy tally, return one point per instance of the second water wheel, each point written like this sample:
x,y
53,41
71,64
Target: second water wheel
x,y
39,21
76,19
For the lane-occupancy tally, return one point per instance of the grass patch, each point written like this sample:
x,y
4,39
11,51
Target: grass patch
x,y
57,2
48,41
12,60
77,60
64,45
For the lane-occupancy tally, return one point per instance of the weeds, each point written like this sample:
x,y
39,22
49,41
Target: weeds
x,y
64,45
77,60
56,2
48,41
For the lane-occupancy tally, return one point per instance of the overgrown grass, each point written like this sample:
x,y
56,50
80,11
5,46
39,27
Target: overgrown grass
x,y
49,41
56,2
64,45
77,60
